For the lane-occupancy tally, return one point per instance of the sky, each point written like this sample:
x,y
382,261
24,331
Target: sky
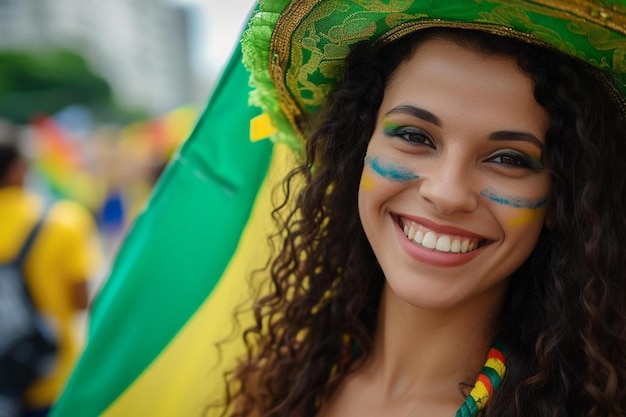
x,y
215,28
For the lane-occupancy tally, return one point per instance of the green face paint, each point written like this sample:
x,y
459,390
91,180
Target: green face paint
x,y
390,128
516,202
535,163
390,171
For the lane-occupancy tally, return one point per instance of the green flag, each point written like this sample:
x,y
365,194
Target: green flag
x,y
175,253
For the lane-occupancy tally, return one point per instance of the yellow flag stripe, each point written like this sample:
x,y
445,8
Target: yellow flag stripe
x,y
188,375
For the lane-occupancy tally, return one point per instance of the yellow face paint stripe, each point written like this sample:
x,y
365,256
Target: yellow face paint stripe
x,y
528,216
366,181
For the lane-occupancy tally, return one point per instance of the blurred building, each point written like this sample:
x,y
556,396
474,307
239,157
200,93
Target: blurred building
x,y
140,46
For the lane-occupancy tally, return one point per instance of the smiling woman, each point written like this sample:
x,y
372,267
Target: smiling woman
x,y
458,244
467,123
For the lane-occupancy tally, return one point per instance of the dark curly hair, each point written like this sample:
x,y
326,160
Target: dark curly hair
x,y
564,320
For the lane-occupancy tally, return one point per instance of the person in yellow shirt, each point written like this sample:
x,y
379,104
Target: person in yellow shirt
x,y
64,255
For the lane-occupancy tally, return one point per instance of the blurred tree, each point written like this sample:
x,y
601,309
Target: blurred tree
x,y
34,83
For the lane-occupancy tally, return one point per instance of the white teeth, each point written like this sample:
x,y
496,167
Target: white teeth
x,y
430,240
411,233
443,244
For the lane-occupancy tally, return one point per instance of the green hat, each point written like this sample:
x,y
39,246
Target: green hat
x,y
296,49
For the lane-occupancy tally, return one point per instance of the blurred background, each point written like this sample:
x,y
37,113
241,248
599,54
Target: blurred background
x,y
106,91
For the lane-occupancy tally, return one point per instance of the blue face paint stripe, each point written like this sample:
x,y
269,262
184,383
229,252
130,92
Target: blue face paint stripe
x,y
390,171
517,202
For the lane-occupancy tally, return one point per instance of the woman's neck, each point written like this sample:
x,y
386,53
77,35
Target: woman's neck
x,y
418,350
422,362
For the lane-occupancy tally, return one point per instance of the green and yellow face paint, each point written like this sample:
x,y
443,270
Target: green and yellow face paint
x,y
535,163
390,128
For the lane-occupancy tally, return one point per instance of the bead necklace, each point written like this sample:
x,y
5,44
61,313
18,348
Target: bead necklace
x,y
488,381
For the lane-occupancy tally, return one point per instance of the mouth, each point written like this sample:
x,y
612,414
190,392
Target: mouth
x,y
439,242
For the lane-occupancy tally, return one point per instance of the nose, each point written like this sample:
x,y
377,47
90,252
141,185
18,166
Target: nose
x,y
449,187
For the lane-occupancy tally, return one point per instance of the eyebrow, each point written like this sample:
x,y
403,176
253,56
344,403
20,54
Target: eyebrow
x,y
416,112
431,118
513,135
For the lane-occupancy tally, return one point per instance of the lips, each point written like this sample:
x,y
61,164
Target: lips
x,y
444,239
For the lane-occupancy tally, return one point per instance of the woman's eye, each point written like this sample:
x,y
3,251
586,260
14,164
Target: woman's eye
x,y
412,135
516,160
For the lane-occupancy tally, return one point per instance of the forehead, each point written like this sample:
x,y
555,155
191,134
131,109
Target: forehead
x,y
457,65
456,82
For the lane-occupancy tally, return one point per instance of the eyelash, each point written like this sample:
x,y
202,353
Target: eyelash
x,y
412,136
516,160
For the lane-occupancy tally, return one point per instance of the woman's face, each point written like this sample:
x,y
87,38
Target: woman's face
x,y
453,193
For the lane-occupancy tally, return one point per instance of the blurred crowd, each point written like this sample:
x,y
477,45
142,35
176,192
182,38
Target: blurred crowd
x,y
110,169
69,192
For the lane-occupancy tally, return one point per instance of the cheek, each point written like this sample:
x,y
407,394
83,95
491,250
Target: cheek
x,y
514,201
526,217
374,191
518,211
382,178
389,170
367,182
366,200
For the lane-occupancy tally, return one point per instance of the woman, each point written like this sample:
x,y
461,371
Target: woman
x,y
463,199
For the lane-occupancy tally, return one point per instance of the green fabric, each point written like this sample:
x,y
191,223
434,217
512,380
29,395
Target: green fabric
x,y
177,250
255,41
299,62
